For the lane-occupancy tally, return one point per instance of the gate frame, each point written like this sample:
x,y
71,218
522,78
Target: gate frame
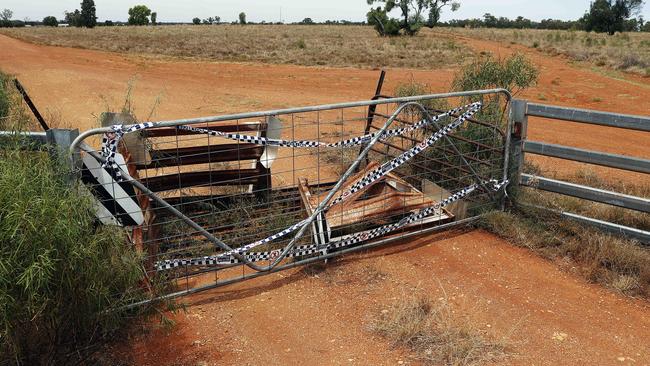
x,y
275,266
520,146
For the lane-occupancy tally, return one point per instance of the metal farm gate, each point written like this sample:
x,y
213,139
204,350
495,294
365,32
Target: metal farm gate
x,y
215,200
571,119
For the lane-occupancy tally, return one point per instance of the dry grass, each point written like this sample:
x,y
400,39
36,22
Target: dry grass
x,y
623,265
620,264
357,46
599,211
629,52
435,334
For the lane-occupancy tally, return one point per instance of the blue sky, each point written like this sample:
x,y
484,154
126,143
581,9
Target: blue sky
x,y
292,10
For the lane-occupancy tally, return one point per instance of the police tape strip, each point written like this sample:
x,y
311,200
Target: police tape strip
x,y
369,178
344,143
387,167
304,250
111,140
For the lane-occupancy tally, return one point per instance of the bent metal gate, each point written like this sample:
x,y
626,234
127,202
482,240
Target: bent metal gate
x,y
215,200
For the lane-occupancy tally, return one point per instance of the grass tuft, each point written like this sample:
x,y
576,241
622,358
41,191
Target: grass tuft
x,y
434,334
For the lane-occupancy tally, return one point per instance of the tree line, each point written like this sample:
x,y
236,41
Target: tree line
x,y
603,16
607,16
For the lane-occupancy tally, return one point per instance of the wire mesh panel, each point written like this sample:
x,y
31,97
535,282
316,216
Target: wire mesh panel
x,y
215,200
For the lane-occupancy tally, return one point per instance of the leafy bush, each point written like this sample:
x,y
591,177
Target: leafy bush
x,y
63,280
514,73
385,26
50,21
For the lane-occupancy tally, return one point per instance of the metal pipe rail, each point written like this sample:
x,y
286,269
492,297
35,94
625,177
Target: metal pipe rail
x,y
189,121
521,110
317,211
585,192
588,156
625,121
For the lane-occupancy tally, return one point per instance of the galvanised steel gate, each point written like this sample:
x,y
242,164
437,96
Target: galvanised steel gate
x,y
522,146
215,200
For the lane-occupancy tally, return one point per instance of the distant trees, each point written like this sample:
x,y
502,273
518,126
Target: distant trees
x,y
86,17
610,16
139,15
385,26
412,14
196,21
6,15
88,14
435,10
5,18
490,21
212,20
50,21
154,18
242,18
307,21
73,18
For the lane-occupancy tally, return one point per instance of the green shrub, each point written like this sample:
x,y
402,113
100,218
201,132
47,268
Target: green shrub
x,y
63,279
384,25
514,73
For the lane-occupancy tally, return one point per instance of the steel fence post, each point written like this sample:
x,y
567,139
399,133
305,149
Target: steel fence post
x,y
61,140
518,135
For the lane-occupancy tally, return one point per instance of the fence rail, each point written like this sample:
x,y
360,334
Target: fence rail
x,y
588,156
521,110
624,121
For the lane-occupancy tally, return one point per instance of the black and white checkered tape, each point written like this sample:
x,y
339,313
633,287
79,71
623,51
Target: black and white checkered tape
x,y
111,140
301,251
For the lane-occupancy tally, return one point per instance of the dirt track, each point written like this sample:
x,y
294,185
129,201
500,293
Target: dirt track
x,y
296,318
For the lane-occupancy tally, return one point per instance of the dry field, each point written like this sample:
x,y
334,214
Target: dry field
x,y
342,46
348,46
627,52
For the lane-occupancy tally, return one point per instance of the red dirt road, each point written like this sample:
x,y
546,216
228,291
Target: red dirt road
x,y
551,316
548,315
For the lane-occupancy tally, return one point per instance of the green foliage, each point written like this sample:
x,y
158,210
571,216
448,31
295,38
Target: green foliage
x,y
607,16
4,101
73,18
5,18
139,15
50,21
88,14
412,15
196,21
63,280
242,18
383,25
154,18
514,73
